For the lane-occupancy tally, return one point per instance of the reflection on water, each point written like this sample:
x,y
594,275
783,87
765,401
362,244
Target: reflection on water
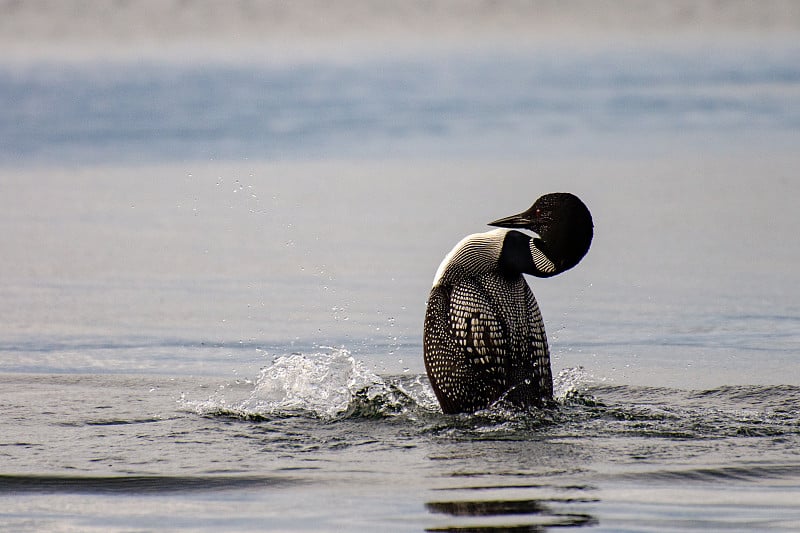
x,y
494,511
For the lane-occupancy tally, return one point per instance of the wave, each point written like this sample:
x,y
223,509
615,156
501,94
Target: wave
x,y
722,474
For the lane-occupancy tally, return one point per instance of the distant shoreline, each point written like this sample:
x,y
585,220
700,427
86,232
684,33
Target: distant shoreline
x,y
154,27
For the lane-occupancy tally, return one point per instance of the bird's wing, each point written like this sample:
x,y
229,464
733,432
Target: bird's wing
x,y
482,333
538,348
502,339
465,348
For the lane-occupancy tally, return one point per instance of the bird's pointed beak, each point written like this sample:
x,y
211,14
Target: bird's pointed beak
x,y
522,220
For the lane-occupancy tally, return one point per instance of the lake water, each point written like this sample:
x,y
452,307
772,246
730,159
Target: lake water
x,y
213,275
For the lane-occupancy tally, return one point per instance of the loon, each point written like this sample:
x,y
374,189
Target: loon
x,y
484,337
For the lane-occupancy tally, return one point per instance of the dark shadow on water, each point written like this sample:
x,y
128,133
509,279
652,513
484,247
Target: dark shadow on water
x,y
133,485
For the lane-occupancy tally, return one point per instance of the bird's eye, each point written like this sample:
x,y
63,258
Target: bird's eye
x,y
538,212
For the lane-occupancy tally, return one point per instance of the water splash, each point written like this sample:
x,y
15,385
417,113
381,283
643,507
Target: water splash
x,y
324,384
329,386
334,385
572,384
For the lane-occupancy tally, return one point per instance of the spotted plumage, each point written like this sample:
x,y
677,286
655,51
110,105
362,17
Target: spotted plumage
x,y
484,338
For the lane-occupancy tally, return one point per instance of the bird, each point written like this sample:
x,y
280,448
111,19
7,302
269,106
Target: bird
x,y
484,340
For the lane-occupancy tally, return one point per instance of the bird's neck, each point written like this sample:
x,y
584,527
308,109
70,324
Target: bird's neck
x,y
522,254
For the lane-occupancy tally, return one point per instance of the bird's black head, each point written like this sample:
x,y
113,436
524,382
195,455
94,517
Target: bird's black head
x,y
563,223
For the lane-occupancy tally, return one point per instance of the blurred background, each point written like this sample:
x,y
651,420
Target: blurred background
x,y
194,187
274,27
